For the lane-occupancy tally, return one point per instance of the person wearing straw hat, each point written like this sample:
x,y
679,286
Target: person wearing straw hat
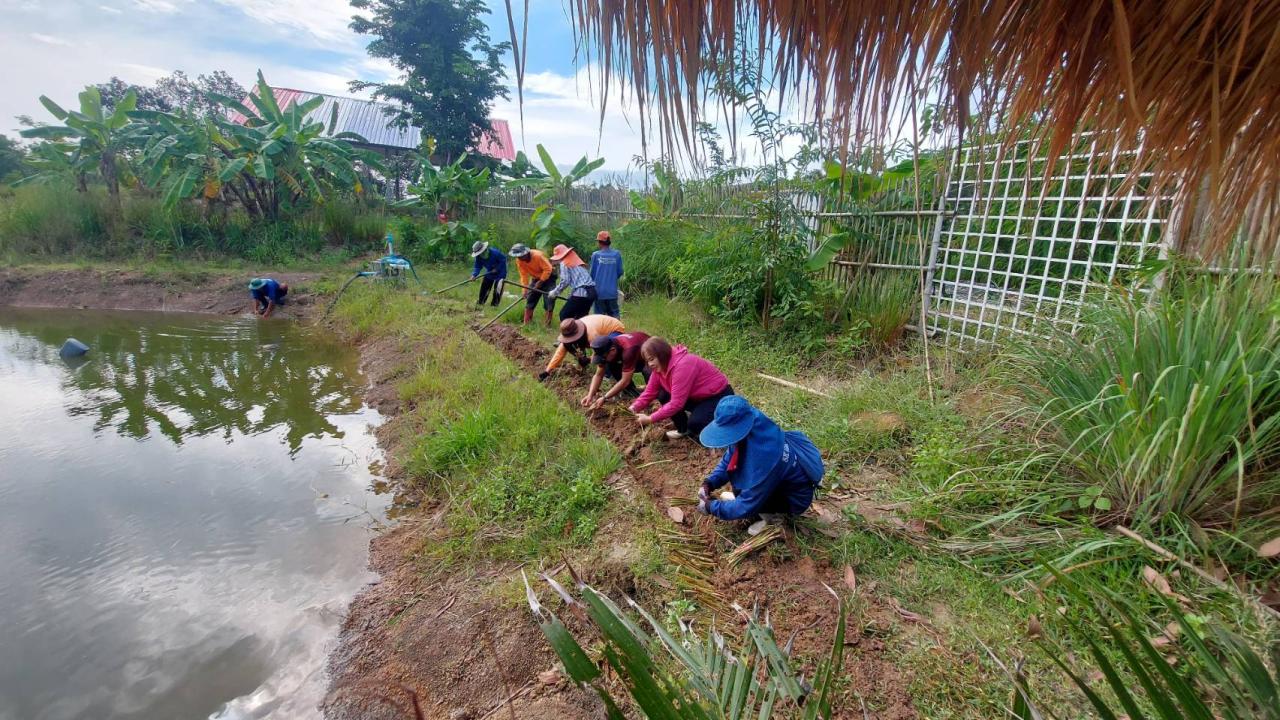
x,y
573,274
617,357
606,270
535,272
576,336
267,294
492,262
774,474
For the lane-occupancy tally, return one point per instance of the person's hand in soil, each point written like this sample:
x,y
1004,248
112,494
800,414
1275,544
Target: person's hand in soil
x,y
588,401
542,376
599,403
644,419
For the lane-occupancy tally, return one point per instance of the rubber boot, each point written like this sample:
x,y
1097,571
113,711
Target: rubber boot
x,y
548,318
528,315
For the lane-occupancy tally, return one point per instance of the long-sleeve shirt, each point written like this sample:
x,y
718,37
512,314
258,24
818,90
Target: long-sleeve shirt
x,y
688,377
606,270
492,262
576,277
534,266
597,327
787,486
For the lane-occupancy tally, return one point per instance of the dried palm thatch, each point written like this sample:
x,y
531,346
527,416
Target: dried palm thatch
x,y
1195,84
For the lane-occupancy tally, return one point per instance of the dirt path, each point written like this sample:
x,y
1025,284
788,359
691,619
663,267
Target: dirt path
x,y
102,289
781,579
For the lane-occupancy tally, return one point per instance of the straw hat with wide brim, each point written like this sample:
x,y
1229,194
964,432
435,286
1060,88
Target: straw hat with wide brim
x,y
478,248
572,330
566,255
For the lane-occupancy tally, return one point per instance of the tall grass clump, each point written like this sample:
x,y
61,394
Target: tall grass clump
x,y
880,304
1165,411
651,248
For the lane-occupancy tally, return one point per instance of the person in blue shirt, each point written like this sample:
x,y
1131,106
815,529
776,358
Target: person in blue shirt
x,y
606,270
773,473
267,295
492,263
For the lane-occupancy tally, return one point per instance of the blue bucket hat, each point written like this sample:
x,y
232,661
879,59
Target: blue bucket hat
x,y
733,420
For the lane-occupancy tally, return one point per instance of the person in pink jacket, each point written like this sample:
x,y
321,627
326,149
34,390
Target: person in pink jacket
x,y
687,386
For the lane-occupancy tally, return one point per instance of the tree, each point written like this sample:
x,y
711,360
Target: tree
x,y
91,139
550,222
12,156
451,73
197,95
275,160
115,90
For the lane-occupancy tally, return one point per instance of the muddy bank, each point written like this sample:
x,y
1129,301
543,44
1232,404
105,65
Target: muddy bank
x,y
107,289
422,642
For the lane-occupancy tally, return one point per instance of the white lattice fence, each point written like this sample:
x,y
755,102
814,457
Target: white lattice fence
x,y
1015,247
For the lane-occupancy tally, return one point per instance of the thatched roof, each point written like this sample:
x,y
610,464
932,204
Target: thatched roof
x,y
1194,83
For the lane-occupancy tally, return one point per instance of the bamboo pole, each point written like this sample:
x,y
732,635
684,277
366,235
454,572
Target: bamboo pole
x,y
797,386
1226,587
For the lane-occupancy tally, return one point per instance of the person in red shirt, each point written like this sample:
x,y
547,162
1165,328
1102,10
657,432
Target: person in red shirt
x,y
687,386
617,357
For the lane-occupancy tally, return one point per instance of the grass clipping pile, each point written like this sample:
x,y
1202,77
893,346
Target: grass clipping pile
x,y
724,570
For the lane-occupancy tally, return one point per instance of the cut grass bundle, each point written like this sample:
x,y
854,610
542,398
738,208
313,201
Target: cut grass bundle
x,y
1166,413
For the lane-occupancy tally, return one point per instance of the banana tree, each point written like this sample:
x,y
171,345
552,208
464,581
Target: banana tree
x,y
451,190
664,199
272,158
89,140
551,224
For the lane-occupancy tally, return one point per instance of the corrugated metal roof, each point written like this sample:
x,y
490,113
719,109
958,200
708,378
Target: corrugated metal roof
x,y
368,119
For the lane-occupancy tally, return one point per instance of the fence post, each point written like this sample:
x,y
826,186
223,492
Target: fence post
x,y
932,260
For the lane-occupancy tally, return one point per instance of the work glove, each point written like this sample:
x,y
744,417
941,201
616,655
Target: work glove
x,y
704,492
542,376
702,507
583,361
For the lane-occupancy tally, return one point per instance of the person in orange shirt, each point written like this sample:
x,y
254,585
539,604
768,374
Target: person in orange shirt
x,y
535,272
576,337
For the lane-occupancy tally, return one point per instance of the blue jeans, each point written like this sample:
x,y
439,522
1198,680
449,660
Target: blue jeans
x,y
607,306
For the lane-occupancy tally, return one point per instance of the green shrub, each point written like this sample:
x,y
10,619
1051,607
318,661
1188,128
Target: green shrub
x,y
56,221
1166,409
651,249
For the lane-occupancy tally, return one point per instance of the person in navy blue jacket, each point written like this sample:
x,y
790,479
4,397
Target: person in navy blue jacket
x,y
606,270
773,473
492,262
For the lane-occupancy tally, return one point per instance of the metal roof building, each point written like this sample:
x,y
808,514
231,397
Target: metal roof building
x,y
368,119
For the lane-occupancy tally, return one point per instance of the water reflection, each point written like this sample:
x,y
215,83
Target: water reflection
x,y
182,516
180,377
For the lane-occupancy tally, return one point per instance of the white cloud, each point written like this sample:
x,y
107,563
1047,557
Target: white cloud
x,y
156,6
110,10
50,39
324,20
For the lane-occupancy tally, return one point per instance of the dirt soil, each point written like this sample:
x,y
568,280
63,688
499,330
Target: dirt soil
x,y
99,289
792,587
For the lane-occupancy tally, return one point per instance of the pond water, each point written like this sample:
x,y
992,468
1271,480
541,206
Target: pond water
x,y
184,514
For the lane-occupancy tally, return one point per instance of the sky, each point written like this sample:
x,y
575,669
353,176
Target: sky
x,y
56,47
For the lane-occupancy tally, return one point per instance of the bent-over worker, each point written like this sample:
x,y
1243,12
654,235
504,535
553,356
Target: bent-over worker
x,y
576,337
267,294
617,357
687,386
574,275
774,474
492,262
535,272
